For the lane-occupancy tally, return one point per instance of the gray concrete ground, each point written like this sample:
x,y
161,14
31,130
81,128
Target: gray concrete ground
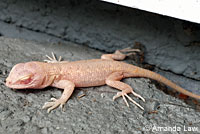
x,y
96,112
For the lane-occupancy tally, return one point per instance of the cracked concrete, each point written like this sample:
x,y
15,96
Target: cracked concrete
x,y
96,112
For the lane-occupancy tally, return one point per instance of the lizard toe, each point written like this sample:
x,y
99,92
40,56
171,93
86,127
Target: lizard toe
x,y
134,102
117,95
54,104
137,95
124,96
53,59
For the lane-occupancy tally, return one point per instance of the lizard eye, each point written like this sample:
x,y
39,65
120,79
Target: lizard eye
x,y
25,79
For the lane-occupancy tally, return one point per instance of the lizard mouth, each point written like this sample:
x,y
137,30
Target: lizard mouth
x,y
19,84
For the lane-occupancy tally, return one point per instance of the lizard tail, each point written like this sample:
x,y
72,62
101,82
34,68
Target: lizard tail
x,y
140,72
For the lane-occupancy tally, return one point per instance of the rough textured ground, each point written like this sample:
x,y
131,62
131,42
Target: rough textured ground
x,y
96,112
170,44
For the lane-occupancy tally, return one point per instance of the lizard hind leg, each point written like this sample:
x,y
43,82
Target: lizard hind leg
x,y
113,81
118,55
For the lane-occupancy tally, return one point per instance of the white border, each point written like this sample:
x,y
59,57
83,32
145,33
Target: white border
x,y
181,9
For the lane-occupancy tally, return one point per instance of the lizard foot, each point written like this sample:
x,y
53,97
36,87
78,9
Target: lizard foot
x,y
119,94
130,50
53,59
54,104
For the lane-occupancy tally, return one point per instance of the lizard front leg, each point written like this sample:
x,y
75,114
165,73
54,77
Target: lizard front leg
x,y
113,80
118,55
68,87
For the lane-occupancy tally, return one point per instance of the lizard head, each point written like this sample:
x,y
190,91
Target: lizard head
x,y
25,75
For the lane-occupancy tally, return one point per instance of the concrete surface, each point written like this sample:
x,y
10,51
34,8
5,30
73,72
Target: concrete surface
x,y
171,44
96,112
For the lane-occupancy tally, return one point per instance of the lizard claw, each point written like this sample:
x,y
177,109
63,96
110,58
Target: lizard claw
x,y
137,95
119,94
131,51
53,99
54,104
53,59
128,49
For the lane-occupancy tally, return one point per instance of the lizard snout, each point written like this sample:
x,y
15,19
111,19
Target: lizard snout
x,y
8,82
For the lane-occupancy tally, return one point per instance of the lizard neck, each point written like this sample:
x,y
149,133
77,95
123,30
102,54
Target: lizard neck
x,y
51,73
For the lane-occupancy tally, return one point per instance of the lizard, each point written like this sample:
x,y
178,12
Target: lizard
x,y
108,70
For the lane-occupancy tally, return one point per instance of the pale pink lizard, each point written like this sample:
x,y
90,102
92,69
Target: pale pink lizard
x,y
85,73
